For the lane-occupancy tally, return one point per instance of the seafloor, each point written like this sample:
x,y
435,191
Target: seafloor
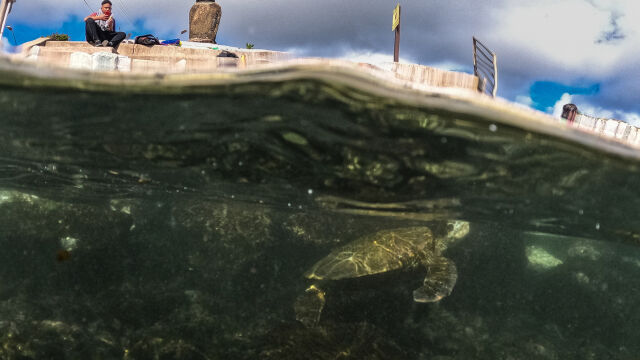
x,y
197,279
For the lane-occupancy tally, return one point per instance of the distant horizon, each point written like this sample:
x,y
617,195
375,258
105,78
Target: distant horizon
x,y
544,60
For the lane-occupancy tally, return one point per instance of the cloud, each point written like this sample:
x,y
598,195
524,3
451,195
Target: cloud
x,y
4,43
563,42
6,46
524,100
556,110
563,34
632,118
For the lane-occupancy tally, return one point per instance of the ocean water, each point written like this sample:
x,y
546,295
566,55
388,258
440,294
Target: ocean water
x,y
138,223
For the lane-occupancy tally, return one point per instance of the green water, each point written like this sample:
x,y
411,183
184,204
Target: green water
x,y
142,225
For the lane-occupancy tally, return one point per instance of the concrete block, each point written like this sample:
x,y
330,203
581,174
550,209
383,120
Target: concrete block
x,y
26,47
104,61
610,128
33,53
80,60
622,132
627,132
432,76
227,62
150,66
181,66
632,138
76,45
599,126
124,63
585,122
201,64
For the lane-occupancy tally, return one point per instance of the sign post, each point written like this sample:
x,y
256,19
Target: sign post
x,y
395,26
5,9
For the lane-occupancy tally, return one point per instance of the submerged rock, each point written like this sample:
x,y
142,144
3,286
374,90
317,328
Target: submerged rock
x,y
540,259
332,341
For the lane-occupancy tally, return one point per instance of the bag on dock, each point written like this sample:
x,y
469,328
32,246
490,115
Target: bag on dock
x,y
175,42
148,40
225,53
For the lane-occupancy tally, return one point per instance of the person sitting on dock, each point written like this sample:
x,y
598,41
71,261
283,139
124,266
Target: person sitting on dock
x,y
100,27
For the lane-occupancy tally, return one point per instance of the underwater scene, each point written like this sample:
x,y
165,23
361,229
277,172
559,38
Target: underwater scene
x,y
305,219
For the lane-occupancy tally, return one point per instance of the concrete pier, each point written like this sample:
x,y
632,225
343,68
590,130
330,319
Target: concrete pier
x,y
203,58
150,59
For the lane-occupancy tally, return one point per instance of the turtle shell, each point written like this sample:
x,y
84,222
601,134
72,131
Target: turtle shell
x,y
383,251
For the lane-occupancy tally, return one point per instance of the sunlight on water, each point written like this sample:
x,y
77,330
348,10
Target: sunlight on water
x,y
142,226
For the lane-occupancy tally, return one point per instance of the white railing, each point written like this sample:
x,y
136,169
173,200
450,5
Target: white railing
x,y
604,127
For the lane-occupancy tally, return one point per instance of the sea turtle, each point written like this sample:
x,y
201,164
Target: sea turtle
x,y
383,251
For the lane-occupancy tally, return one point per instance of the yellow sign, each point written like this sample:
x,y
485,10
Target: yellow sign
x,y
396,17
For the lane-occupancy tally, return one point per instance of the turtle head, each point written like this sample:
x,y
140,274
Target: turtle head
x,y
450,232
457,229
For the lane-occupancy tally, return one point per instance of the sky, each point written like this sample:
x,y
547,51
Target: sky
x,y
550,52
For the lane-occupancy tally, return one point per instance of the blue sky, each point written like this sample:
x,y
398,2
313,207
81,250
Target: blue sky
x,y
545,94
73,26
549,51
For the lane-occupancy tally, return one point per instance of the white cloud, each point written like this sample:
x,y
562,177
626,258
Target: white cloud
x,y
597,111
632,118
565,33
524,100
556,110
573,42
572,33
6,46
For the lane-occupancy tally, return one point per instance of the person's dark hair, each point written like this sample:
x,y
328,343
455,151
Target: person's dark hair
x,y
567,109
107,2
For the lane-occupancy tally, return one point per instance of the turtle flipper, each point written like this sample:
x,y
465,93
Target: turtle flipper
x,y
441,278
309,305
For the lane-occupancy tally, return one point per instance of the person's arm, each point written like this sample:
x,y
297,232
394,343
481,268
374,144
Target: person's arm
x,y
95,16
111,22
